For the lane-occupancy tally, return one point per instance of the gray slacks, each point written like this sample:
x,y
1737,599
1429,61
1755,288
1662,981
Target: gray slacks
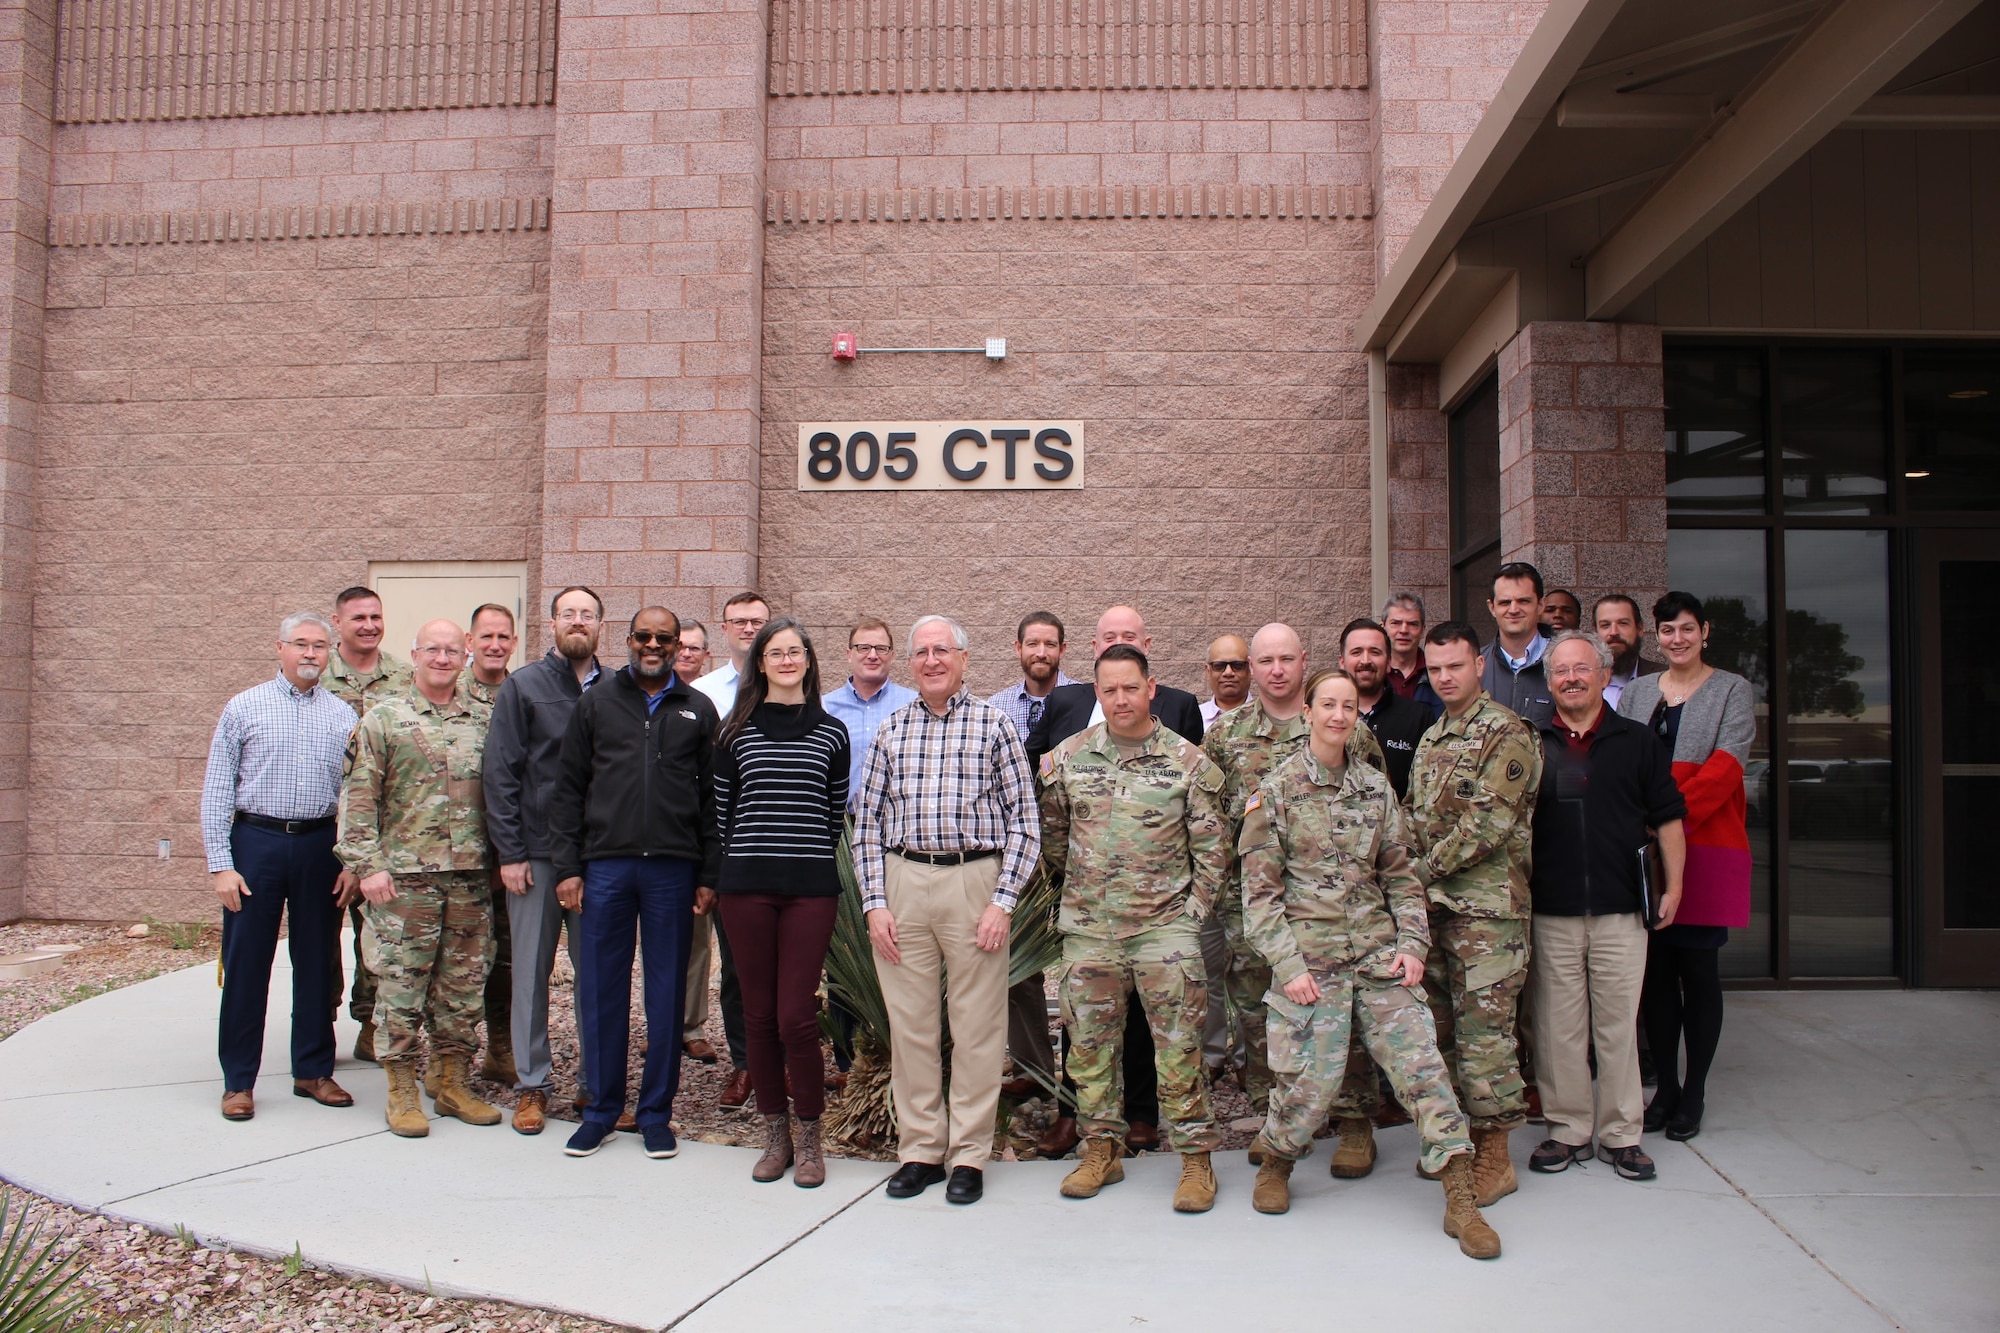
x,y
536,919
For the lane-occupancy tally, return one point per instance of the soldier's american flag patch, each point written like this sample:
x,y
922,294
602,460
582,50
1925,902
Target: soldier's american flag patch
x,y
1048,765
1253,803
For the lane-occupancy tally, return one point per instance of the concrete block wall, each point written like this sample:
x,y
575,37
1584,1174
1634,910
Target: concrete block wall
x,y
1419,512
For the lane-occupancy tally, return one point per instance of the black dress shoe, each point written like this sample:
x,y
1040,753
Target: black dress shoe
x,y
1684,1124
913,1178
967,1184
1657,1114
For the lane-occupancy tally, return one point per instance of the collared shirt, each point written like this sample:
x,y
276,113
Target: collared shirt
x,y
1211,709
956,783
1579,742
1408,683
1536,647
1023,709
720,687
863,718
1614,690
278,751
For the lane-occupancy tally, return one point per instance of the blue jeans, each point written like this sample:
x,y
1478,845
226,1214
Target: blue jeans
x,y
651,897
288,874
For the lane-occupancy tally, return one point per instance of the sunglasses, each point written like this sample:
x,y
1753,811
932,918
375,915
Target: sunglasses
x,y
646,638
1237,665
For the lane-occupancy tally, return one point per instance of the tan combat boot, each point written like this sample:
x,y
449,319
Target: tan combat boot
x,y
1476,1238
406,1114
1493,1177
1355,1157
1196,1193
431,1068
810,1170
364,1045
454,1095
1097,1166
777,1149
1273,1191
498,1066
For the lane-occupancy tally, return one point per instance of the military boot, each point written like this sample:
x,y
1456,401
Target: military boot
x,y
1196,1193
1476,1237
454,1095
498,1066
364,1045
1273,1190
431,1067
1097,1166
1493,1177
777,1149
406,1114
1355,1157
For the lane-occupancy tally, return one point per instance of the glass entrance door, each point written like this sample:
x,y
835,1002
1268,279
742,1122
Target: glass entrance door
x,y
1958,922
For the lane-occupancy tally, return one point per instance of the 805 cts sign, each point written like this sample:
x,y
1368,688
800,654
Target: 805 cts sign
x,y
940,455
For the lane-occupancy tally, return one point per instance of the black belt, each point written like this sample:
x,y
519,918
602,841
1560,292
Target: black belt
x,y
945,858
284,825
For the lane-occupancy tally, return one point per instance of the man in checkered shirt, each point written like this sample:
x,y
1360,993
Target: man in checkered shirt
x,y
946,832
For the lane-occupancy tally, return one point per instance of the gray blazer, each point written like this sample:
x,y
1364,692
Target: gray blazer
x,y
1718,716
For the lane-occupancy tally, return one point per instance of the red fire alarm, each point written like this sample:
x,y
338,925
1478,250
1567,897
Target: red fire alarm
x,y
845,345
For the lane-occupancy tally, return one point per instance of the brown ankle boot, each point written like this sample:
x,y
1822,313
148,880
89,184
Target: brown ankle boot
x,y
498,1066
1355,1157
777,1149
1196,1193
1462,1219
405,1113
1097,1165
364,1045
1493,1177
1273,1190
455,1097
809,1172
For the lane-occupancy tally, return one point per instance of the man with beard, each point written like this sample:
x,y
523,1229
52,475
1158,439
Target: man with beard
x,y
531,716
1623,629
1398,723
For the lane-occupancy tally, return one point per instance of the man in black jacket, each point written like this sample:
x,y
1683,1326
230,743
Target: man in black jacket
x,y
1605,780
523,748
632,845
1398,723
1071,708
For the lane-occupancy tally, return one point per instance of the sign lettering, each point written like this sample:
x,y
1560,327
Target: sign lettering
x,y
940,455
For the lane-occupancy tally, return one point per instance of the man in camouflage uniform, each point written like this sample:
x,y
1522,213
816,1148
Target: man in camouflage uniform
x,y
360,675
490,648
1132,820
1247,743
1472,805
1331,904
413,829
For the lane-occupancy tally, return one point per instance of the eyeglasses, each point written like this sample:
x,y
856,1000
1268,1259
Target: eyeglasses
x,y
784,654
1237,664
307,646
439,651
870,649
934,654
1573,672
747,622
646,638
577,618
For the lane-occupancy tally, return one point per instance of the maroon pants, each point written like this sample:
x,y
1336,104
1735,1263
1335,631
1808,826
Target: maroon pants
x,y
779,943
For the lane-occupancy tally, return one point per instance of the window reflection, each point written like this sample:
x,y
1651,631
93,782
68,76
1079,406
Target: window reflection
x,y
1715,431
1951,415
1833,413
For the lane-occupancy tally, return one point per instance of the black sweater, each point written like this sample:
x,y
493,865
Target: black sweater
x,y
780,794
1592,815
634,782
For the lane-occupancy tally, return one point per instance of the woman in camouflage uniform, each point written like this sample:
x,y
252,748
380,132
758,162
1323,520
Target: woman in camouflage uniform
x,y
1330,901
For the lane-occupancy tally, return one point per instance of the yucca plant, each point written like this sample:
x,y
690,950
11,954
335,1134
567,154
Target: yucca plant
x,y
863,1121
36,1284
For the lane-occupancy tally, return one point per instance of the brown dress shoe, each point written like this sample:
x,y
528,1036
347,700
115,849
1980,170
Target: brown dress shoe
x,y
1061,1137
701,1050
627,1123
1019,1088
737,1092
239,1105
531,1111
322,1090
1142,1137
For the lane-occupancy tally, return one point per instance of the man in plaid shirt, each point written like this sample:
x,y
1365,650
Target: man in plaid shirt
x,y
945,834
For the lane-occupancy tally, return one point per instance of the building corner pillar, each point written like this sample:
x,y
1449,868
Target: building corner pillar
x,y
1583,488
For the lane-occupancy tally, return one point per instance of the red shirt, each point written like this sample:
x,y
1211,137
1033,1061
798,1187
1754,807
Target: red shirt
x,y
1581,741
1406,686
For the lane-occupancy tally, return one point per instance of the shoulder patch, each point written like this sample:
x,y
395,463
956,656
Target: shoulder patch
x,y
1253,803
1514,770
1048,764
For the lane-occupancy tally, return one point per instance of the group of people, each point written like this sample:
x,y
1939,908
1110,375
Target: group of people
x,y
1431,864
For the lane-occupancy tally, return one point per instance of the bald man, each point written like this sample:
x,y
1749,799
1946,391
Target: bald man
x,y
1074,707
1228,677
413,832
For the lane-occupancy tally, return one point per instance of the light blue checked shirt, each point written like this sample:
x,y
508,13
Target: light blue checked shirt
x,y
1021,706
863,717
277,752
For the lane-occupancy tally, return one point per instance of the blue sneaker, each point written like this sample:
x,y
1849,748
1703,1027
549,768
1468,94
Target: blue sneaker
x,y
660,1140
587,1140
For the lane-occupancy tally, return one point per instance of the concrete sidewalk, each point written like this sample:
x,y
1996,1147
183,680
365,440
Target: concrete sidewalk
x,y
1847,1179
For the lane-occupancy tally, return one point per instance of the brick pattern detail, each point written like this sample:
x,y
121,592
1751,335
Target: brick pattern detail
x,y
1419,511
1438,64
27,53
654,307
1226,443
233,432
1028,203
891,46
1583,482
437,217
179,59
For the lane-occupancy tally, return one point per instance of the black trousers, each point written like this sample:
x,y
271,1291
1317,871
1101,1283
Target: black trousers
x,y
287,873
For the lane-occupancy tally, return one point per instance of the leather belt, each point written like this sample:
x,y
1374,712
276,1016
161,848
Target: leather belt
x,y
285,825
945,858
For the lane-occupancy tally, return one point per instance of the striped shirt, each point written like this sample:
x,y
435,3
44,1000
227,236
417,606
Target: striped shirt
x,y
277,752
1023,709
780,797
957,783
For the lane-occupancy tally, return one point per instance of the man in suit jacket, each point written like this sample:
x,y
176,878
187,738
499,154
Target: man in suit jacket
x,y
1623,629
1071,708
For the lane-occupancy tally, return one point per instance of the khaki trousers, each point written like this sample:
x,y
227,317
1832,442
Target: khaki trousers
x,y
1587,975
937,910
694,1005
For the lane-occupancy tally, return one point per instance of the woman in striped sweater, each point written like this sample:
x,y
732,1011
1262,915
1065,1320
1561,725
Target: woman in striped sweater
x,y
781,763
